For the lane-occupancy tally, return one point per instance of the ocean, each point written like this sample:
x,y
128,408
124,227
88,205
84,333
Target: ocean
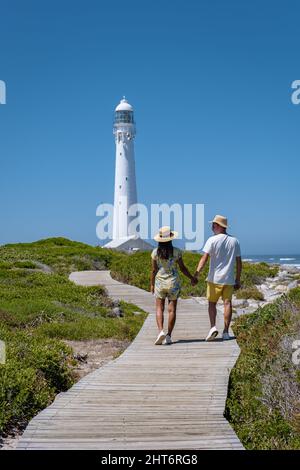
x,y
293,260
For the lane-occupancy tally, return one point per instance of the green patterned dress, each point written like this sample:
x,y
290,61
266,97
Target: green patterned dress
x,y
167,281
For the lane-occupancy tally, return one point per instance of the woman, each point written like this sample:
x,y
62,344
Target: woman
x,y
165,281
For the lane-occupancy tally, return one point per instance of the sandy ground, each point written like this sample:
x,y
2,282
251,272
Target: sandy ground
x,y
90,355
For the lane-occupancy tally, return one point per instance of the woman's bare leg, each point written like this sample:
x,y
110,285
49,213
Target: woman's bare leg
x,y
160,307
172,306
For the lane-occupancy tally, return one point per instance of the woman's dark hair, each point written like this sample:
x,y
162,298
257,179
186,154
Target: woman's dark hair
x,y
165,250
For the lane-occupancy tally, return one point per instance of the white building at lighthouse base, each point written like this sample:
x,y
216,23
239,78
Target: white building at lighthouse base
x,y
130,244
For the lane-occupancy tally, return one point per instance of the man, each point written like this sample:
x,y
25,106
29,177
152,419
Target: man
x,y
224,253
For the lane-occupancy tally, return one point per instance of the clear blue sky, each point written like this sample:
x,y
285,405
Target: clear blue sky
x,y
210,83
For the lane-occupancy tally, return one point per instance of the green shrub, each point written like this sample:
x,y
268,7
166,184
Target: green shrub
x,y
256,273
259,336
36,369
38,311
61,254
25,264
135,269
249,293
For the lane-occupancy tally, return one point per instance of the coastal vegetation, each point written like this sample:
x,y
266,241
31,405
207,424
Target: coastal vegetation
x,y
41,311
134,269
263,403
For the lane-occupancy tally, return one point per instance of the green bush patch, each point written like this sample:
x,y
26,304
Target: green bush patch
x,y
135,269
39,310
263,402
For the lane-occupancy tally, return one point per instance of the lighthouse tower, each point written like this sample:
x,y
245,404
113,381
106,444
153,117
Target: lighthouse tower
x,y
125,181
125,194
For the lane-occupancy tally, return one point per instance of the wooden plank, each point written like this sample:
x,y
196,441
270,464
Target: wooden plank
x,y
150,397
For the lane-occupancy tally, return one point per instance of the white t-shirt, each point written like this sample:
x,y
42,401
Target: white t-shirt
x,y
223,250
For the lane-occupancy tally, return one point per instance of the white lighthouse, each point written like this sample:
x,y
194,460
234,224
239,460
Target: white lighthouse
x,y
125,194
125,181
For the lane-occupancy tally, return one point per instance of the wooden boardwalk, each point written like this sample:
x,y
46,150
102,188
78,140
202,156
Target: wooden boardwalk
x,y
151,397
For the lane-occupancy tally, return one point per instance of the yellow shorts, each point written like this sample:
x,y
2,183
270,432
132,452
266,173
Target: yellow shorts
x,y
215,291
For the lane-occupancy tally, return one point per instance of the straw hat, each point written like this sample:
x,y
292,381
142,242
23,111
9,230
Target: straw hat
x,y
221,220
165,234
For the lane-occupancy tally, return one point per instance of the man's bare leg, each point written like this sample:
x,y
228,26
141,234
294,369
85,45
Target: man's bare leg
x,y
212,310
160,307
227,314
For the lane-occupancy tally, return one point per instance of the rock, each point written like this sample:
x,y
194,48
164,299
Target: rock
x,y
44,267
254,303
281,288
244,311
270,279
116,303
80,357
290,269
137,313
116,312
239,302
272,295
272,289
283,274
292,285
263,287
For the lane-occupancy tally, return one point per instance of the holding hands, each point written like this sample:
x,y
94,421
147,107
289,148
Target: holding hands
x,y
194,279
